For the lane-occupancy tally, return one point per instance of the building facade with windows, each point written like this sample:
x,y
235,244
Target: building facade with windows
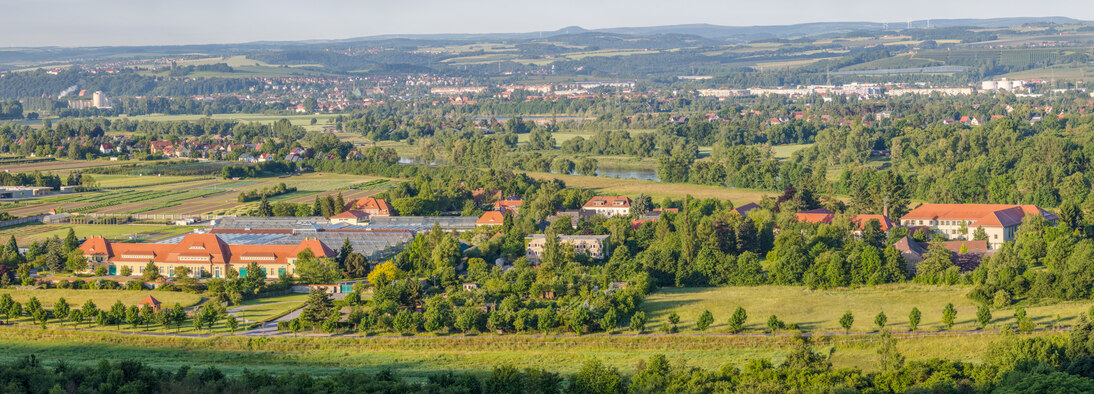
x,y
960,221
204,255
590,245
608,206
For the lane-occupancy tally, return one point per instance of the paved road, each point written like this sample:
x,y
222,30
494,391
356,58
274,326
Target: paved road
x,y
270,328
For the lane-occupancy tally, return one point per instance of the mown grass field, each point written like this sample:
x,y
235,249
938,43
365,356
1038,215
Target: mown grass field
x,y
423,356
296,120
102,298
657,190
820,310
190,195
27,234
261,309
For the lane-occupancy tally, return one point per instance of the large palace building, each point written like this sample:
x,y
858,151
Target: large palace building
x,y
203,254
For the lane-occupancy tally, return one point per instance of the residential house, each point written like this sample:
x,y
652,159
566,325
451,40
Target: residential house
x,y
744,209
590,245
351,216
960,221
608,206
106,148
509,205
374,206
247,158
819,215
490,218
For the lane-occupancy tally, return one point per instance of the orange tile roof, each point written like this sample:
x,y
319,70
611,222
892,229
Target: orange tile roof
x,y
350,214
819,215
988,215
208,247
491,218
886,224
374,206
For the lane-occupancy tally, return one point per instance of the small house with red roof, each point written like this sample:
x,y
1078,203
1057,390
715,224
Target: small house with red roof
x,y
151,302
374,206
351,216
490,218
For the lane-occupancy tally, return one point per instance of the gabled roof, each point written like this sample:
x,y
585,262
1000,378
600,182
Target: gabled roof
x,y
819,215
491,218
609,202
886,224
150,301
350,214
373,204
987,215
743,210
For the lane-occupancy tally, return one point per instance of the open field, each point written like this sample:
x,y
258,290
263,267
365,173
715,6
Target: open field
x,y
62,166
297,120
189,195
657,190
102,298
820,310
26,234
261,309
423,356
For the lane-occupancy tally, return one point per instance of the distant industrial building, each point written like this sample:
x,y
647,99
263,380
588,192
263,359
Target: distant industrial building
x,y
1003,84
23,191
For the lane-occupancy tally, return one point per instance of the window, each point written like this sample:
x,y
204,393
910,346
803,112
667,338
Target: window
x,y
996,236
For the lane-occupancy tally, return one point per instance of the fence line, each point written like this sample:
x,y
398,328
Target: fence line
x,y
28,219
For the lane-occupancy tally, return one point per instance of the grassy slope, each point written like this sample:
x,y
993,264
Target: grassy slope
x,y
31,233
427,355
102,298
820,310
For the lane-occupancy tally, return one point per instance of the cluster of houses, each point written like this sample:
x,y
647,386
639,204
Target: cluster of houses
x,y
958,223
371,224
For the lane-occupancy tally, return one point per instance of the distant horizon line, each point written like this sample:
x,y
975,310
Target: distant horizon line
x,y
892,25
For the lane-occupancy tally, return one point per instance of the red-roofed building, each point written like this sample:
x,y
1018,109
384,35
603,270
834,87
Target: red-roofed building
x,y
151,302
374,206
885,223
819,215
999,221
608,206
491,218
202,254
351,216
508,205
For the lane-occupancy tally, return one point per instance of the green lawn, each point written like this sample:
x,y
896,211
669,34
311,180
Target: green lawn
x,y
423,356
102,298
820,310
261,309
27,234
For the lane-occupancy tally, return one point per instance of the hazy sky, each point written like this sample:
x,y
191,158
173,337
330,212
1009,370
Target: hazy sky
x,y
140,22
